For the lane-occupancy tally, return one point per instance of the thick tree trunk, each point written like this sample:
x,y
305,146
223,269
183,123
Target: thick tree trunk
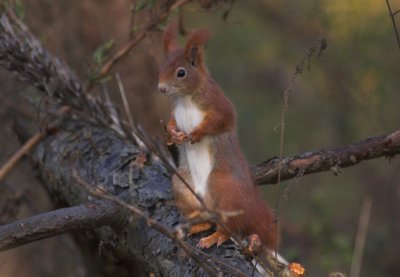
x,y
103,158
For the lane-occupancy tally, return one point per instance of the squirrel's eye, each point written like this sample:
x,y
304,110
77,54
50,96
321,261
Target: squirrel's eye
x,y
181,73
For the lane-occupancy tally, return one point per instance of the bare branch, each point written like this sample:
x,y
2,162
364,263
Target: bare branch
x,y
392,15
13,161
324,160
136,38
83,217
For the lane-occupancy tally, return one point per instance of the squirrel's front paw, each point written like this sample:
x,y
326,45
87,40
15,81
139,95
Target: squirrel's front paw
x,y
196,136
176,135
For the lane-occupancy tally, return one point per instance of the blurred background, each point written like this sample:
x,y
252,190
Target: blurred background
x,y
348,94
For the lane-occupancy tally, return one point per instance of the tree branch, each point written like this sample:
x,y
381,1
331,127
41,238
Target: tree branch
x,y
324,160
82,217
13,161
110,162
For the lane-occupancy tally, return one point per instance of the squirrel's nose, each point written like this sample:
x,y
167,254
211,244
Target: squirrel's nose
x,y
162,88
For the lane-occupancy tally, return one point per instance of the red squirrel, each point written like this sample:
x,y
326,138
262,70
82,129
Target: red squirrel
x,y
203,125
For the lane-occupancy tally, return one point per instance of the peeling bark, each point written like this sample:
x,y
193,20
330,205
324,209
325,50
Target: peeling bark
x,y
325,160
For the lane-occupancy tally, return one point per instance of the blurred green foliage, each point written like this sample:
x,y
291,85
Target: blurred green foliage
x,y
17,6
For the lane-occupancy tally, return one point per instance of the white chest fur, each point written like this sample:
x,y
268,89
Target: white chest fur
x,y
188,116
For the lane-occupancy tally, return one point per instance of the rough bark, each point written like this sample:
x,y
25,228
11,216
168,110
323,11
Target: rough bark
x,y
101,156
82,217
90,147
324,160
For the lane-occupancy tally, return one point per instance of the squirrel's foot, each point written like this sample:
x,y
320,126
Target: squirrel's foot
x,y
215,238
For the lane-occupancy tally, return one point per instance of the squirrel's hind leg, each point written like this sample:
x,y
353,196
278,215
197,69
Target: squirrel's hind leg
x,y
197,228
218,237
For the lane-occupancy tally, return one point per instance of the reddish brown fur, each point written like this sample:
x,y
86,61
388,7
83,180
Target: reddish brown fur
x,y
230,185
196,43
257,218
170,37
200,228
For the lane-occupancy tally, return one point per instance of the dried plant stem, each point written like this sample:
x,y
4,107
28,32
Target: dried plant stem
x,y
361,237
21,152
317,47
128,112
285,106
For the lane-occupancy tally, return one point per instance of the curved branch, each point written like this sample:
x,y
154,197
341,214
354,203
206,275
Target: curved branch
x,y
324,160
82,217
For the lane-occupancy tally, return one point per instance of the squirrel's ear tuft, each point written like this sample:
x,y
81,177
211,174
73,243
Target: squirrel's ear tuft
x,y
170,38
194,49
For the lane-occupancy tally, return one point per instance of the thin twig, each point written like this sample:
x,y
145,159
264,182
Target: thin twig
x,y
132,19
21,152
175,236
318,47
122,52
215,215
361,237
282,136
392,15
111,108
128,112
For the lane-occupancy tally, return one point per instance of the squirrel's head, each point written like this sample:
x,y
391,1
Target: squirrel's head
x,y
183,70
